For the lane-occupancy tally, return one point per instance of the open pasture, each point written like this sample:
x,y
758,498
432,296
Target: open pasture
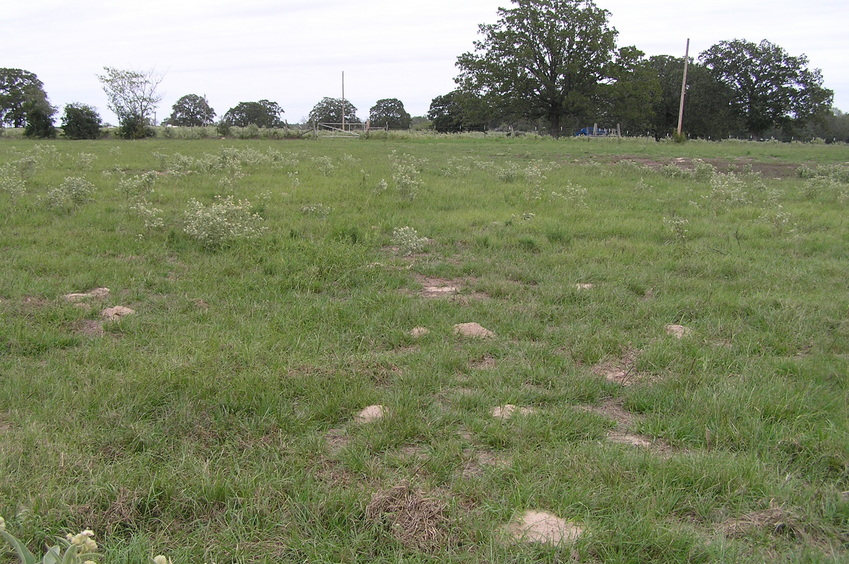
x,y
428,349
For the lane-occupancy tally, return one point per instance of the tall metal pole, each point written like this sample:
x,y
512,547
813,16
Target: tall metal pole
x,y
343,100
683,87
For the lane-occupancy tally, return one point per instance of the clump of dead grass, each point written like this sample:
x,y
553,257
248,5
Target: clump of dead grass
x,y
412,517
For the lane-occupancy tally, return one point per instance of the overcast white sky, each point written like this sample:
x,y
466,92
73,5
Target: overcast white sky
x,y
293,52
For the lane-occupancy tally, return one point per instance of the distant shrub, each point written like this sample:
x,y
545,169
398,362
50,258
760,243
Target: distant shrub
x,y
81,121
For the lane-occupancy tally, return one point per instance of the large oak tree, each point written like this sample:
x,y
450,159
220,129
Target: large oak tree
x,y
20,92
191,110
769,87
543,58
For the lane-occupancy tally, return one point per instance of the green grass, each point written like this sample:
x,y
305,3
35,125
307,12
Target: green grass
x,y
217,423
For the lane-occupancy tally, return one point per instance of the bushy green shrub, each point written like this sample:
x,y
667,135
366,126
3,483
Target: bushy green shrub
x,y
81,121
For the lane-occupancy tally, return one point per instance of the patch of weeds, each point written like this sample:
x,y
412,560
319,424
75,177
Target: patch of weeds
x,y
318,210
74,191
407,240
138,186
223,221
406,172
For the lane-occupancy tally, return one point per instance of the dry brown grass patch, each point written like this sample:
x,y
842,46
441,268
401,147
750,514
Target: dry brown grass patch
x,y
776,521
414,518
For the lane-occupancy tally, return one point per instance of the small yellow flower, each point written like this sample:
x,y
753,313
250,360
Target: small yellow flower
x,y
2,524
161,559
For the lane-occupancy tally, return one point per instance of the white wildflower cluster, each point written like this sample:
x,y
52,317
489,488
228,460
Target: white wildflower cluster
x,y
406,171
678,226
571,193
85,161
223,221
28,165
138,186
781,221
510,172
407,240
382,186
74,191
11,183
727,190
324,165
319,210
151,216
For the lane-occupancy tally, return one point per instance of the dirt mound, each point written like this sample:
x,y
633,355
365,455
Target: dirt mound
x,y
542,527
509,410
116,313
473,330
677,331
96,293
370,414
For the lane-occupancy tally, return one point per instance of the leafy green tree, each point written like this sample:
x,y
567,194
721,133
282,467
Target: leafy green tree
x,y
390,113
264,113
191,111
40,119
543,58
81,121
458,111
132,96
17,89
769,87
329,110
707,103
626,98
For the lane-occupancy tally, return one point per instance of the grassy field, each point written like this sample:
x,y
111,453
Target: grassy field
x,y
666,368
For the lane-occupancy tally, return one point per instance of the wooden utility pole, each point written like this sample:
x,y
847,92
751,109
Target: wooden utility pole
x,y
683,87
343,99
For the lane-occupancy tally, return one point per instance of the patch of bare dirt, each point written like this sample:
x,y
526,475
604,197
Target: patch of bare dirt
x,y
624,419
414,518
486,362
626,438
474,330
584,286
612,409
542,527
477,460
89,328
438,287
337,440
619,370
447,288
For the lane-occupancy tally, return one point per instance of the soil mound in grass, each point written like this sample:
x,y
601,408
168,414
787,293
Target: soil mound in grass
x,y
542,527
509,410
473,330
116,313
96,293
370,414
677,331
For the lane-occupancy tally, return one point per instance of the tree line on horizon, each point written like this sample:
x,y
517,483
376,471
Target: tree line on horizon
x,y
551,66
